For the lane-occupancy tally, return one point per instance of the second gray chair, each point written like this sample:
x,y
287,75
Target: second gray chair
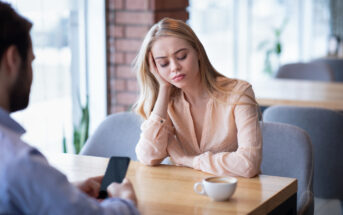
x,y
325,128
306,71
287,152
117,135
336,65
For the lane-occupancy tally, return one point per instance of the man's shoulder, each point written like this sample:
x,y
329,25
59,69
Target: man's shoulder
x,y
16,156
21,159
12,147
16,159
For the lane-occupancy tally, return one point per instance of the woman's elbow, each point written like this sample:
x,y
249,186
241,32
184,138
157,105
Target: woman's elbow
x,y
253,165
252,172
252,169
249,168
150,156
148,161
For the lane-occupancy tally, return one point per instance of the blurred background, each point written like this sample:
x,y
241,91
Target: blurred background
x,y
81,50
84,50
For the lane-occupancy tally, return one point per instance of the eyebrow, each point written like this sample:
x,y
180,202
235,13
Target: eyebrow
x,y
173,53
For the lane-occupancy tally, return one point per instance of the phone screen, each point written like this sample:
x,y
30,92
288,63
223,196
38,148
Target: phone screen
x,y
115,172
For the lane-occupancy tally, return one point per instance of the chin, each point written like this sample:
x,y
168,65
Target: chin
x,y
179,86
19,100
19,106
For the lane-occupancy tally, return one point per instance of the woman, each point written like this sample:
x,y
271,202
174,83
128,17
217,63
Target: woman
x,y
194,115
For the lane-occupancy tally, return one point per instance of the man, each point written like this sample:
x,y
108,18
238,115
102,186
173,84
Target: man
x,y
28,184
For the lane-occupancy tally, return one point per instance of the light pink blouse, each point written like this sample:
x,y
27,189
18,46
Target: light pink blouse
x,y
231,142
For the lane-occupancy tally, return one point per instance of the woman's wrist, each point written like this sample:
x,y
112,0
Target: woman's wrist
x,y
165,88
164,92
162,101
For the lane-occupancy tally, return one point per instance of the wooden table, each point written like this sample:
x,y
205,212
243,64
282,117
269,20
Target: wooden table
x,y
299,93
169,189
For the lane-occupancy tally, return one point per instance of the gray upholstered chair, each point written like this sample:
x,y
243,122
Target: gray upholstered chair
x,y
306,71
287,152
117,135
325,128
336,65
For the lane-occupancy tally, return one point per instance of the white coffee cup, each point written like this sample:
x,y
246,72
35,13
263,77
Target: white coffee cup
x,y
217,188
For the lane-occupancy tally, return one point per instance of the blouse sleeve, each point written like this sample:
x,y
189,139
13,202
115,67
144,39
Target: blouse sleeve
x,y
246,160
152,145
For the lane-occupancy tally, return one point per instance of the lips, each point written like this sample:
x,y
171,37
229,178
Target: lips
x,y
179,77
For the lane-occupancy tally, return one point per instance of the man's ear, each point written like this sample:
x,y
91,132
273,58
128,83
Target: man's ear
x,y
11,62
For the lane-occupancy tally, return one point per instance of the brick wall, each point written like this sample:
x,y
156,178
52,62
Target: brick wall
x,y
127,23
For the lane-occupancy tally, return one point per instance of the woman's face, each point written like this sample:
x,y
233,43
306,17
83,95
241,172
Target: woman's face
x,y
176,61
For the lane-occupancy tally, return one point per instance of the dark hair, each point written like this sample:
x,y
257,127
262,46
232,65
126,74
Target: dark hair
x,y
14,30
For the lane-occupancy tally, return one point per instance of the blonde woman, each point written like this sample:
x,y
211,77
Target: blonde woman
x,y
194,115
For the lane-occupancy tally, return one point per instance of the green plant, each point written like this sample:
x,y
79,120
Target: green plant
x,y
64,142
80,130
273,49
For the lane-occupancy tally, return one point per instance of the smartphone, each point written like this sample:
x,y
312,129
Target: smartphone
x,y
115,172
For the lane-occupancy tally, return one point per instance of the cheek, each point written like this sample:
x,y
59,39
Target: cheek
x,y
29,73
164,73
194,64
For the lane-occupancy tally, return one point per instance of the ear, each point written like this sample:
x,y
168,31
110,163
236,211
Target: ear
x,y
11,63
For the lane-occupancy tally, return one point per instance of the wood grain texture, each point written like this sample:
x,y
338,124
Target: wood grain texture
x,y
299,93
169,189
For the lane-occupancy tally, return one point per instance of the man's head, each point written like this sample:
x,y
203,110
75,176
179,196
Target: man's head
x,y
16,57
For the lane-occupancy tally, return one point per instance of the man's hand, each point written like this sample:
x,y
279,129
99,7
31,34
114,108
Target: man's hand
x,y
90,186
124,190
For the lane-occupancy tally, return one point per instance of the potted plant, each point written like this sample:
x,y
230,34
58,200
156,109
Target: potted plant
x,y
273,50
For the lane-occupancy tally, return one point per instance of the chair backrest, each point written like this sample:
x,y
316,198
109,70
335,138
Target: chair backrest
x,y
306,71
325,128
287,152
117,135
336,66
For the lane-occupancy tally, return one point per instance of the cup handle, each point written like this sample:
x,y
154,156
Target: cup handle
x,y
195,187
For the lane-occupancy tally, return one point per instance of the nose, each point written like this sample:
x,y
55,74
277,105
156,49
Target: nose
x,y
175,65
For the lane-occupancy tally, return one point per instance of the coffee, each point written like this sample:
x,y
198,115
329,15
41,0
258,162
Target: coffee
x,y
217,188
217,180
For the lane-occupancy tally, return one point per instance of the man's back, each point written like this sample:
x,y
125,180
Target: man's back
x,y
29,185
11,151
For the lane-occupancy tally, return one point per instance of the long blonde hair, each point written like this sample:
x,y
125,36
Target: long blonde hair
x,y
147,82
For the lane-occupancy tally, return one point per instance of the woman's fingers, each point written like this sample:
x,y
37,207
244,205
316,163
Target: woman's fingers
x,y
152,64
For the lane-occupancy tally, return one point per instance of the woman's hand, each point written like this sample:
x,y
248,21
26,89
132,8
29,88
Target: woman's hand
x,y
178,156
153,69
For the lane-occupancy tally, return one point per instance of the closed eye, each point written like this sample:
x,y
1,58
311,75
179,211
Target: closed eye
x,y
182,57
163,64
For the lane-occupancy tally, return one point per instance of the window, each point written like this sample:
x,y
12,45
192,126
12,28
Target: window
x,y
232,31
61,36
